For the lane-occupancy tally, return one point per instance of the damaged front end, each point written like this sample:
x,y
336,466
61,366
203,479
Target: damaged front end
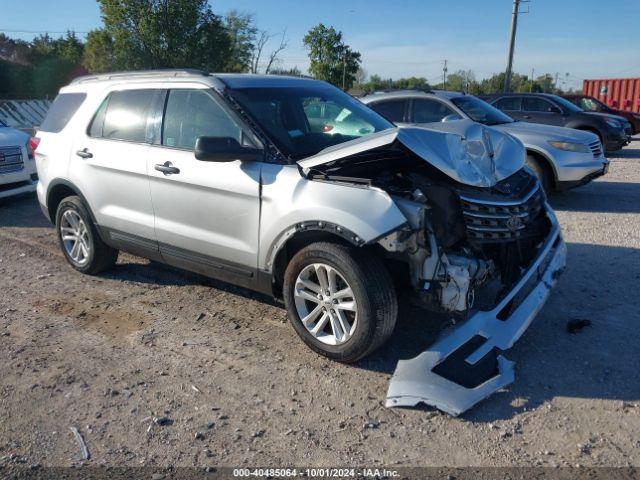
x,y
481,245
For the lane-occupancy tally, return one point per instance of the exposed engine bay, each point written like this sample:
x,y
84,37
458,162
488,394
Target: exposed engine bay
x,y
459,239
480,245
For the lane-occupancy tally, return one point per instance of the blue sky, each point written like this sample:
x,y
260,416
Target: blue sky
x,y
584,38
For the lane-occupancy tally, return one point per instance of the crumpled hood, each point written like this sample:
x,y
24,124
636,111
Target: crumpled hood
x,y
10,137
546,132
466,151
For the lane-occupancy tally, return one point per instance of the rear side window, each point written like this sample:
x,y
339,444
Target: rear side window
x,y
535,104
392,110
62,109
123,116
508,104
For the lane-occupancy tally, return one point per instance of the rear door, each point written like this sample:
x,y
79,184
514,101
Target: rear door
x,y
109,166
512,106
206,213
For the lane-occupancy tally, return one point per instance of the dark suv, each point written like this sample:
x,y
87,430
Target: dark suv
x,y
591,104
554,110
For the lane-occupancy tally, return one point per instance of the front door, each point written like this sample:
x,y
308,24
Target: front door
x,y
206,213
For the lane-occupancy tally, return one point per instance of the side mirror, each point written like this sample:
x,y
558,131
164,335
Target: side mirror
x,y
224,149
554,109
453,117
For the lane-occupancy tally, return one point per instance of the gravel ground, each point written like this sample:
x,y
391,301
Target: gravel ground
x,y
159,367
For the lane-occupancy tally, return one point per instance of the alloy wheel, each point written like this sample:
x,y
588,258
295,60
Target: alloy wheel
x,y
75,237
326,304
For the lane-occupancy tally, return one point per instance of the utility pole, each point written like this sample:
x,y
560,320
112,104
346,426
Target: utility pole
x,y
344,71
531,84
444,75
512,42
555,82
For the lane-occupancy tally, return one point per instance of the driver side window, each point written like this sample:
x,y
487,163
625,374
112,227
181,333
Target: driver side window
x,y
190,114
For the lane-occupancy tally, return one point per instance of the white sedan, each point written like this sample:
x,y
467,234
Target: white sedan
x,y
17,165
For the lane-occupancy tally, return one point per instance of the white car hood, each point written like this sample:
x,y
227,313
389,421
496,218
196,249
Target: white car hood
x,y
466,151
10,137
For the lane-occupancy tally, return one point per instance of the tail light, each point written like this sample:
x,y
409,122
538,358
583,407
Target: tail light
x,y
32,146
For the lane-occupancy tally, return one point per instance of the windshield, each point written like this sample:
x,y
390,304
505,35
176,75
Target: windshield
x,y
592,105
480,111
303,121
572,107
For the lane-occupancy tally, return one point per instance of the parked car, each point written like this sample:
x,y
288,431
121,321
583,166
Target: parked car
x,y
17,166
223,175
591,104
554,110
562,158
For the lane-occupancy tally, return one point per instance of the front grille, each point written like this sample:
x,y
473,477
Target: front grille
x,y
502,220
11,159
596,148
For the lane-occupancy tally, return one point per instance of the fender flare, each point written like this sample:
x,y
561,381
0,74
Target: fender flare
x,y
311,226
61,181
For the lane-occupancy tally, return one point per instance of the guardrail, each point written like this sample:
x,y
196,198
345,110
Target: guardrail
x,y
24,115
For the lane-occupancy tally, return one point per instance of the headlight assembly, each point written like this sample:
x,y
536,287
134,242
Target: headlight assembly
x,y
571,147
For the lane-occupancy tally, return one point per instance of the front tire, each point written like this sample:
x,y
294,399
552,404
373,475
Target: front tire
x,y
341,301
542,172
79,240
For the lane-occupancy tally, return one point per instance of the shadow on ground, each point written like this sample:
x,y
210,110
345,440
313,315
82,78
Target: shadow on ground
x,y
600,196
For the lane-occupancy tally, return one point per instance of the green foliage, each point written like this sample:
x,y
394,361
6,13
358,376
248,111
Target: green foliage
x,y
149,34
38,68
99,55
331,59
376,83
242,34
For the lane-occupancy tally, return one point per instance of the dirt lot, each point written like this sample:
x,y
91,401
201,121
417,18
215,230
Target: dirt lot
x,y
230,384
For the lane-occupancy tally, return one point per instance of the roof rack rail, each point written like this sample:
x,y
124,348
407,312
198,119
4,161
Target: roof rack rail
x,y
401,90
168,72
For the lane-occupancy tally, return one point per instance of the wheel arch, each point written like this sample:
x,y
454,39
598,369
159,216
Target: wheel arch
x,y
299,236
546,163
58,190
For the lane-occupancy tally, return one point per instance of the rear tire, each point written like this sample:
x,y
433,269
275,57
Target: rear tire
x,y
542,172
371,295
79,239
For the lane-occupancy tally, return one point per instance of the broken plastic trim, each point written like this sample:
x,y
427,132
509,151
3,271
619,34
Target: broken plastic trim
x,y
414,380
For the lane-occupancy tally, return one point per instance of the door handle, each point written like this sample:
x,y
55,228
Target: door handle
x,y
167,168
84,153
526,116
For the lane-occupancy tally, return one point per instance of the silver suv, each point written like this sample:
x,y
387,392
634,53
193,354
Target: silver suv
x,y
291,187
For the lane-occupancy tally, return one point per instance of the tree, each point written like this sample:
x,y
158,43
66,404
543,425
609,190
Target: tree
x,y
165,34
99,55
242,33
331,59
291,72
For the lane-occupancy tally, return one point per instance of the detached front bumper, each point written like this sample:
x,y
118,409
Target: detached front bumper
x,y
486,333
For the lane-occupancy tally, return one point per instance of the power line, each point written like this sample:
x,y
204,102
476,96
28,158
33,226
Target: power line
x,y
40,31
